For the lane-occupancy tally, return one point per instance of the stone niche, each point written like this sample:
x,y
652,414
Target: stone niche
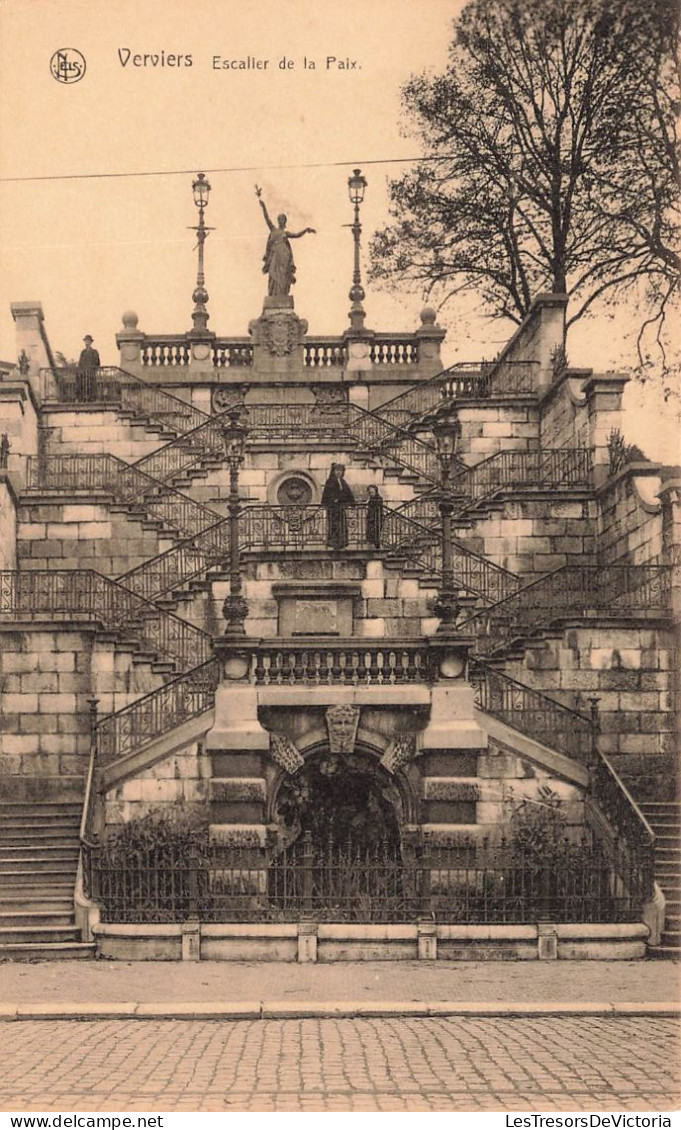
x,y
315,608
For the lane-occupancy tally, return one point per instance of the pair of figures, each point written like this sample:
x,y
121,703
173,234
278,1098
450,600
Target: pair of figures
x,y
336,498
278,261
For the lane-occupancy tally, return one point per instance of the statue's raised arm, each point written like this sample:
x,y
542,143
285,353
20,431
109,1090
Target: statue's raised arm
x,y
258,193
278,261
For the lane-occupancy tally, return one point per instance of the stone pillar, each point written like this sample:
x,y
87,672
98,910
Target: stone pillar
x,y
358,345
549,311
19,422
307,942
130,341
32,344
278,338
603,393
430,337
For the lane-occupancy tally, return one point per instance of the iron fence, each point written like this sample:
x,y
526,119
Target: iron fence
x,y
370,883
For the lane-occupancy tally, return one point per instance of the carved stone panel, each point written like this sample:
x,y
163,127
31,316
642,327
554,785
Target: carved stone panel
x,y
278,331
342,723
285,753
400,750
226,397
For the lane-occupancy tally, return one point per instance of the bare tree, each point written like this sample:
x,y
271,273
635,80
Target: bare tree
x,y
550,158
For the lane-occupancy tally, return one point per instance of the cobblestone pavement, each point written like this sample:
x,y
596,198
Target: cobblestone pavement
x,y
539,1063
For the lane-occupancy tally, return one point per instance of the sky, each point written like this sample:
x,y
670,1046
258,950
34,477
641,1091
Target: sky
x,y
94,243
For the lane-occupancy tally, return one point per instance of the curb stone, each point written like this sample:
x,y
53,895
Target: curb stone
x,y
291,1010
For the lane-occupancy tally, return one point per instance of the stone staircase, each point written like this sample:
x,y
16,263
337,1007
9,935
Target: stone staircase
x,y
39,848
664,818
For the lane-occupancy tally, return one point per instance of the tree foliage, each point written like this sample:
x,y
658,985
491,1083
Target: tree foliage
x,y
550,158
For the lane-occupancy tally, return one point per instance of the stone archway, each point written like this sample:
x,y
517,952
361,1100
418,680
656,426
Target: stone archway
x,y
340,798
340,856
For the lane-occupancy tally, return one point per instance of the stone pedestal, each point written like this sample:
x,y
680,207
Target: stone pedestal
x,y
278,338
31,343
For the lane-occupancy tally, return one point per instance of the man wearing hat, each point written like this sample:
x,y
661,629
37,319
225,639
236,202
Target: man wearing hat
x,y
86,373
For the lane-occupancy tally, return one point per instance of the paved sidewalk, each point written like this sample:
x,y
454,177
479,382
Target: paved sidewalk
x,y
251,990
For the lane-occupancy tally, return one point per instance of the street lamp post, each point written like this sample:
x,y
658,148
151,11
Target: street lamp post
x,y
200,315
356,188
447,432
235,607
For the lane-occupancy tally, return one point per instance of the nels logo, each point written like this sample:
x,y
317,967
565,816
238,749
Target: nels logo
x,y
67,65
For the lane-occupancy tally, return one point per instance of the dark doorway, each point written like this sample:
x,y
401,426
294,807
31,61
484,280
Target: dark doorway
x,y
342,860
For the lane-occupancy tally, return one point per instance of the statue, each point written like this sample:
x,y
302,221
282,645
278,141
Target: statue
x,y
278,257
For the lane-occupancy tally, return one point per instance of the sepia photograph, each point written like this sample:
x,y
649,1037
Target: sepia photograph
x,y
340,560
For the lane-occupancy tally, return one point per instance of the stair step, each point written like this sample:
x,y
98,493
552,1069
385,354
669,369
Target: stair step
x,y
21,903
36,918
40,860
40,951
22,935
10,838
36,808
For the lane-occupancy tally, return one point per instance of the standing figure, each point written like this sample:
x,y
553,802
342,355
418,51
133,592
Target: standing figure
x,y
374,519
86,373
278,258
336,497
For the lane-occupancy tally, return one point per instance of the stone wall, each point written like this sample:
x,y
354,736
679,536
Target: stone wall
x,y
540,335
629,668
388,603
181,779
48,676
487,429
630,516
532,535
77,534
67,430
564,419
263,472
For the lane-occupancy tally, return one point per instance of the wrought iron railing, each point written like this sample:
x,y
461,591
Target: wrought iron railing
x,y
156,713
463,380
576,735
111,384
368,883
321,662
611,798
203,442
280,529
571,591
127,484
532,713
82,594
563,468
395,443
